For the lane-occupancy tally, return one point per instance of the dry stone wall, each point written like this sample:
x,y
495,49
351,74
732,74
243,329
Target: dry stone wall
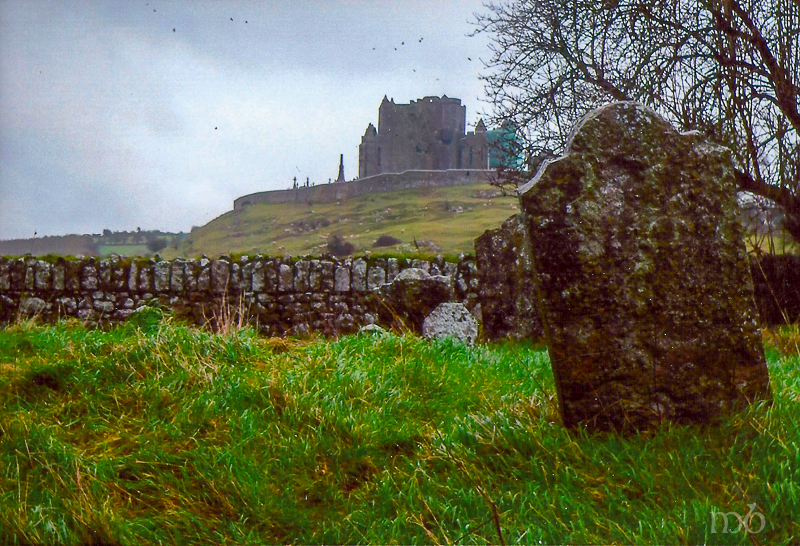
x,y
288,296
776,280
280,295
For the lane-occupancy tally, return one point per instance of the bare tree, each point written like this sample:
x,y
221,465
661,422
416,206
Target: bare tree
x,y
727,68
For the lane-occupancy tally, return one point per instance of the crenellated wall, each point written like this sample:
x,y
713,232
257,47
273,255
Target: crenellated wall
x,y
279,295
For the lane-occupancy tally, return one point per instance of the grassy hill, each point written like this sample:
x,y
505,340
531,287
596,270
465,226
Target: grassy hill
x,y
443,220
424,220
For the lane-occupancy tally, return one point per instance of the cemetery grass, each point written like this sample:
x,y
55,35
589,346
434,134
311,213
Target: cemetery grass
x,y
158,432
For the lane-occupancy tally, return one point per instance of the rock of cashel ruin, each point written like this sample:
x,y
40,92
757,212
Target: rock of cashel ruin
x,y
425,135
420,144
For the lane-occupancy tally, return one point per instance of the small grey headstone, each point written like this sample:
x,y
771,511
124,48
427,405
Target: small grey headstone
x,y
451,319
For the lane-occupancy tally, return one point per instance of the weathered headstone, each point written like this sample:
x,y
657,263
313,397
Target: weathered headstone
x,y
642,277
505,272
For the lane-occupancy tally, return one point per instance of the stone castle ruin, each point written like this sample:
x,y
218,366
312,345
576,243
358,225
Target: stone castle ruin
x,y
420,144
424,135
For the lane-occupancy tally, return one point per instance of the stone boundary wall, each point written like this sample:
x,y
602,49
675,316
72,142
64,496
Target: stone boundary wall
x,y
379,183
776,281
280,295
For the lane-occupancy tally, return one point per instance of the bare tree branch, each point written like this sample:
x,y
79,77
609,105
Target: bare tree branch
x,y
727,68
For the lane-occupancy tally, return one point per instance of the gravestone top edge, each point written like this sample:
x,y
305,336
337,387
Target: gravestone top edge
x,y
590,135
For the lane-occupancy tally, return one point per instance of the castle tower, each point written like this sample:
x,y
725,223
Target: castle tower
x,y
481,145
474,149
340,178
422,135
369,159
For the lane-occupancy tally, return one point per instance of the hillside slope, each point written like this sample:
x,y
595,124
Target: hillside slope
x,y
443,220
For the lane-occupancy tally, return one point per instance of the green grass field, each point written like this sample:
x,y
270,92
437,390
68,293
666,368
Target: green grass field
x,y
450,218
123,250
155,432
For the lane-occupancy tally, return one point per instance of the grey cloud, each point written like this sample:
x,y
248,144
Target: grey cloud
x,y
107,116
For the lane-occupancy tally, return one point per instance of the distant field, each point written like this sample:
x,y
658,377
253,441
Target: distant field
x,y
448,219
107,244
123,250
72,245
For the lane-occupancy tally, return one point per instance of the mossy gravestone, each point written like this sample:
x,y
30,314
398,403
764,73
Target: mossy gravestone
x,y
641,272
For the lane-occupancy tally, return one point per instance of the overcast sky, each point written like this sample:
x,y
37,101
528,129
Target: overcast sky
x,y
159,113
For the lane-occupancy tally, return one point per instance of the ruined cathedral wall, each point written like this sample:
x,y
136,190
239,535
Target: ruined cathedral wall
x,y
408,180
380,183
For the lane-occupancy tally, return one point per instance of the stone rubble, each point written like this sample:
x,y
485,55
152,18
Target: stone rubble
x,y
451,320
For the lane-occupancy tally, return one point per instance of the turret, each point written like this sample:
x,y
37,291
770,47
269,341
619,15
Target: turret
x,y
371,132
340,178
368,153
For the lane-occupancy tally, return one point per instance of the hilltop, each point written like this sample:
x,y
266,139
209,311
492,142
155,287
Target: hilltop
x,y
429,220
425,220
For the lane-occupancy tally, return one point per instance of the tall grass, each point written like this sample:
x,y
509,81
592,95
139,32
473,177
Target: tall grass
x,y
156,432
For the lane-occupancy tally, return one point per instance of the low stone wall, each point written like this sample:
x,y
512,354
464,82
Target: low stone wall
x,y
285,296
379,183
776,280
279,295
509,307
